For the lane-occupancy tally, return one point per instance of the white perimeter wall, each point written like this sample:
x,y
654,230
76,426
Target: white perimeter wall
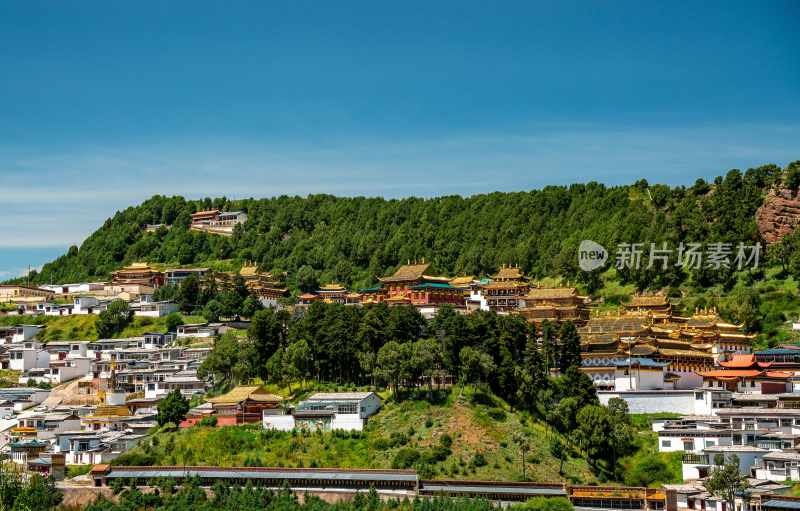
x,y
681,402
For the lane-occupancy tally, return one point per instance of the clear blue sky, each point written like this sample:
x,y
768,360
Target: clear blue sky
x,y
103,104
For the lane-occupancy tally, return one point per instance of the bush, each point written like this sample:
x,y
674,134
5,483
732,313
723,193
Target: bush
x,y
482,398
446,441
210,421
478,460
647,469
405,458
545,504
497,414
436,454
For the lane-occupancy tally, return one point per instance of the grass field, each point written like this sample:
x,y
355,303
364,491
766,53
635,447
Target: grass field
x,y
82,328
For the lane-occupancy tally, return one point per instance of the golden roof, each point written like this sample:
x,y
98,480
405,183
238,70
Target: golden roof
x,y
684,353
461,281
332,287
103,411
249,271
139,266
407,272
504,284
508,273
245,392
648,301
544,293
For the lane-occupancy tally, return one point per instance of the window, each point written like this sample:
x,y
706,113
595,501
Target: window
x,y
698,396
688,445
666,443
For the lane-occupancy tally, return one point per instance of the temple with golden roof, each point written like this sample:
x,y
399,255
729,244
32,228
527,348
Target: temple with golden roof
x,y
655,304
507,287
261,284
410,285
141,274
554,304
690,345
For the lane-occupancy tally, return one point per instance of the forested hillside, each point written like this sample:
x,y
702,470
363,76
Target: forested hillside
x,y
352,240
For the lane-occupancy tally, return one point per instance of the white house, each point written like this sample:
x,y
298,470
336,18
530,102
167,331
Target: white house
x,y
703,401
198,330
698,466
326,411
27,355
692,440
18,333
152,309
59,371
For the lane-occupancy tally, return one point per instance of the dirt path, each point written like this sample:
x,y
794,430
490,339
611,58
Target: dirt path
x,y
68,394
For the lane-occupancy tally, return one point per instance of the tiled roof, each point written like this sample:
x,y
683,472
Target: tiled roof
x,y
648,301
407,272
542,293
739,360
508,272
242,393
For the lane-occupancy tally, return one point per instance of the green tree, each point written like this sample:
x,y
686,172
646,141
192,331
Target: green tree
x,y
392,363
725,481
114,319
173,321
172,408
425,358
189,294
212,311
475,365
570,352
299,359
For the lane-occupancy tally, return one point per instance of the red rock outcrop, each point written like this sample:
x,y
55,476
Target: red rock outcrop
x,y
779,216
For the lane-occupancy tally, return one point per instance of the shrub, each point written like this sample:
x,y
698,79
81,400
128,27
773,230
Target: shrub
x,y
545,504
405,458
446,441
482,398
497,414
478,460
210,421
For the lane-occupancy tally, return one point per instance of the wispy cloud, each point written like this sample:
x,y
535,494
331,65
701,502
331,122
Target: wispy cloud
x,y
59,198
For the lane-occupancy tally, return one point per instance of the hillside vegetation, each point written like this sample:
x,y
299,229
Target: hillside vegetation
x,y
82,327
471,437
351,240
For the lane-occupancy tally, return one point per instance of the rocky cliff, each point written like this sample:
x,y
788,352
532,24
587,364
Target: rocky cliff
x,y
779,215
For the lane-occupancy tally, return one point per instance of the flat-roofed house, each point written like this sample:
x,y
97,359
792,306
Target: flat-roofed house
x,y
174,276
326,411
14,293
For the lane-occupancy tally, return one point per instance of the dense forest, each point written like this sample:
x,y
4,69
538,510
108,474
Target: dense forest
x,y
322,238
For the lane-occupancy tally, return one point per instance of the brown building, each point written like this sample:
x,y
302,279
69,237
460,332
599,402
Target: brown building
x,y
410,285
243,405
655,304
508,286
140,274
688,344
23,294
554,304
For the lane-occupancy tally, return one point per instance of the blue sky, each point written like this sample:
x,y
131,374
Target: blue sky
x,y
103,104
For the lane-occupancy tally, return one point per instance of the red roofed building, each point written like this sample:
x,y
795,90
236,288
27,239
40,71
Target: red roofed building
x,y
743,374
744,361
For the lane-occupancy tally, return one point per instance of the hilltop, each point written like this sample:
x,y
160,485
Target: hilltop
x,y
322,238
481,431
